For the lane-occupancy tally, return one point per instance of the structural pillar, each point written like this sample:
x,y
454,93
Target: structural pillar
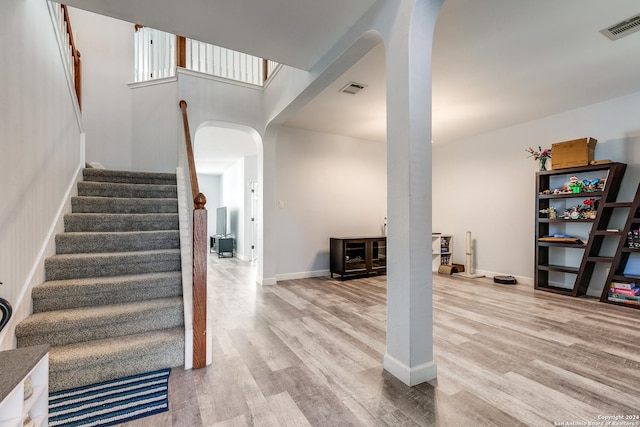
x,y
409,355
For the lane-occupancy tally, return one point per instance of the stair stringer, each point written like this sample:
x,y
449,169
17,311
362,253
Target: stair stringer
x,y
186,256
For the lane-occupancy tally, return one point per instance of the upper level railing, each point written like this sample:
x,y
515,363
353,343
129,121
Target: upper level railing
x,y
73,55
158,53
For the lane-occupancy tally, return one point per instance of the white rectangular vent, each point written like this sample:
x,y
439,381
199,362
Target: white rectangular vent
x,y
353,88
623,28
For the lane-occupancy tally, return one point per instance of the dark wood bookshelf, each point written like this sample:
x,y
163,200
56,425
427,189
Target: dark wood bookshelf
x,y
595,228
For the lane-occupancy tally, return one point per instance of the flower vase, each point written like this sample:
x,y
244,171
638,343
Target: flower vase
x,y
543,163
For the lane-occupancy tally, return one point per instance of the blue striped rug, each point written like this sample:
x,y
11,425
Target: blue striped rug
x,y
112,402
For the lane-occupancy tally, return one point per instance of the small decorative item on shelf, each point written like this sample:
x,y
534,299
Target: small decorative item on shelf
x,y
633,239
592,185
575,185
591,208
575,213
541,156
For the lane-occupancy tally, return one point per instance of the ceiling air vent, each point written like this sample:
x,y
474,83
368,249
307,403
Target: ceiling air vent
x,y
353,88
623,28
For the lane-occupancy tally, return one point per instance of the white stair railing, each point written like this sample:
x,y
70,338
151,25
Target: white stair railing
x,y
155,57
56,10
155,54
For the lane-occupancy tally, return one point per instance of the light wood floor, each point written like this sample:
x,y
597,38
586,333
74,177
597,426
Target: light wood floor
x,y
309,352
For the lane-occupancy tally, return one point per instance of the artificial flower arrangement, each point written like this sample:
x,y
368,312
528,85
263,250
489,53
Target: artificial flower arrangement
x,y
540,155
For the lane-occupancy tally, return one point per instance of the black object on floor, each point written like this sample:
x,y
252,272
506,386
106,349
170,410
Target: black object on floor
x,y
505,280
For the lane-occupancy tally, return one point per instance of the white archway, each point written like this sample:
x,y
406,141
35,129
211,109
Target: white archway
x,y
226,156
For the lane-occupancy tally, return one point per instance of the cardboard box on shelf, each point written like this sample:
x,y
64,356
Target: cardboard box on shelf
x,y
574,153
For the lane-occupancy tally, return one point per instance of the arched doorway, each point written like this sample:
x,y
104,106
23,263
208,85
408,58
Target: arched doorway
x,y
226,156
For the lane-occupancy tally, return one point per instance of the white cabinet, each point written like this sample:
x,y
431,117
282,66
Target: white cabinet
x,y
441,250
17,366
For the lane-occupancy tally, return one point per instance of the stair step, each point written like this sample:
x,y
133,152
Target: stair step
x,y
126,205
121,241
109,189
77,266
94,222
92,362
93,291
64,327
109,175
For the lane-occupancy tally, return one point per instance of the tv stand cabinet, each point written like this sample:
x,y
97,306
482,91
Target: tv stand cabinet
x,y
223,246
358,256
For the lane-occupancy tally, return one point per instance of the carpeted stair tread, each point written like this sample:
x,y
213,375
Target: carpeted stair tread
x,y
63,327
117,241
92,291
76,365
77,266
123,205
132,177
120,190
91,222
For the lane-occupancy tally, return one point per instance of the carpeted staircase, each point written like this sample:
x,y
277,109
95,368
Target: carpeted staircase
x,y
112,304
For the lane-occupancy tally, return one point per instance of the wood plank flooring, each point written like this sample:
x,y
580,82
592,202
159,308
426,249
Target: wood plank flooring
x,y
309,352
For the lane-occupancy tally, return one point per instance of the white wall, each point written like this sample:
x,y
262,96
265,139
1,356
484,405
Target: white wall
x,y
106,46
327,186
233,198
486,184
129,126
156,126
41,151
250,176
210,187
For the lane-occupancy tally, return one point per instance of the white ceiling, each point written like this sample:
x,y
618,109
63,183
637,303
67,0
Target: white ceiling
x,y
496,63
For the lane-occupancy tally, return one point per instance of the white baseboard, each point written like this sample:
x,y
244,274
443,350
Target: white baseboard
x,y
269,281
410,375
302,275
291,276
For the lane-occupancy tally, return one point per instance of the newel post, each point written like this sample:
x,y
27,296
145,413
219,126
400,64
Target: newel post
x,y
199,282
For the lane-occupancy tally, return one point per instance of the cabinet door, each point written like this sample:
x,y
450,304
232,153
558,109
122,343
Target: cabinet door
x,y
378,254
355,256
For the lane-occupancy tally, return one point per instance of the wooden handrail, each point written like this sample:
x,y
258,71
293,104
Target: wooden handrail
x,y
195,190
199,254
77,62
